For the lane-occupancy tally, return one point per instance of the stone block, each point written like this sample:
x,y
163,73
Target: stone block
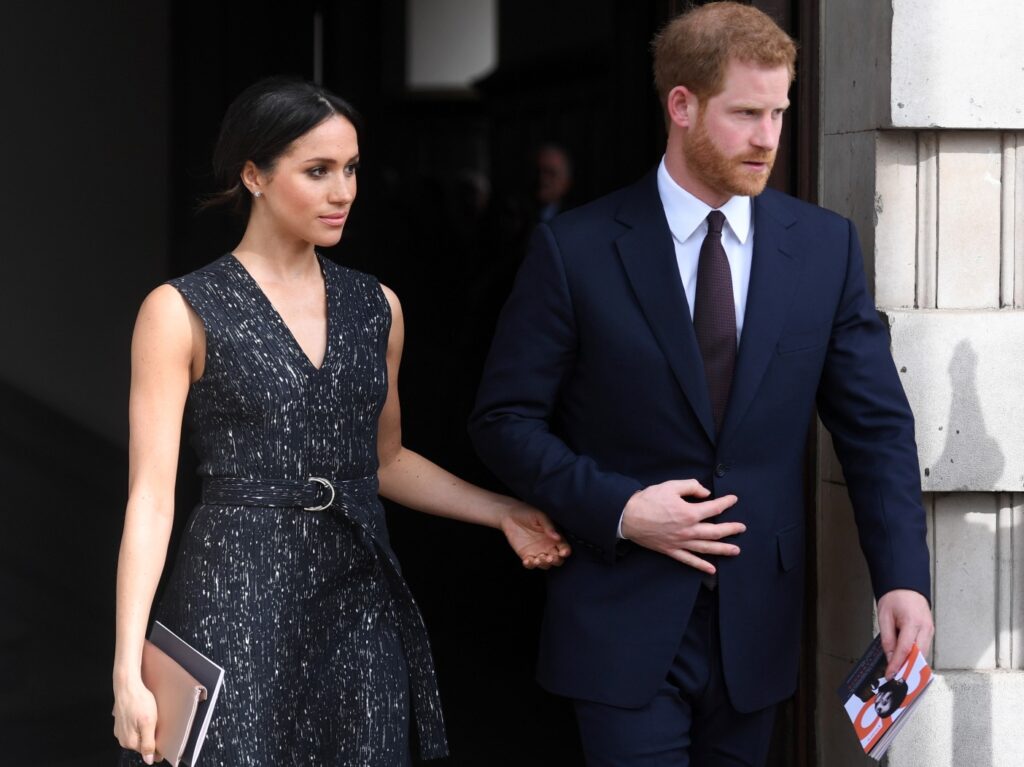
x,y
963,372
965,718
953,64
965,588
895,218
970,201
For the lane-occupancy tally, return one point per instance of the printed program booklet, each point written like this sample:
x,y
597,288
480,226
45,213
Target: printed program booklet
x,y
877,707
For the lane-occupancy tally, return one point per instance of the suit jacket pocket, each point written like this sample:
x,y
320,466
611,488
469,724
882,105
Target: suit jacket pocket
x,y
791,547
804,340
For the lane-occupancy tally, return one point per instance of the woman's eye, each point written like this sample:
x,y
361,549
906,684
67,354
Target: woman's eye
x,y
351,168
318,172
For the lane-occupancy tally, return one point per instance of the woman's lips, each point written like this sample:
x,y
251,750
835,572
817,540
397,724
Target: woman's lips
x,y
334,219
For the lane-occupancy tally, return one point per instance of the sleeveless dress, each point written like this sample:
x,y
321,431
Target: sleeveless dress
x,y
322,644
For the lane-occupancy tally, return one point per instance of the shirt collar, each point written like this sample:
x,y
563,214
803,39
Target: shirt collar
x,y
685,213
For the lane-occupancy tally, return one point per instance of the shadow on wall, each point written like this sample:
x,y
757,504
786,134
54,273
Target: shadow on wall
x,y
978,468
983,464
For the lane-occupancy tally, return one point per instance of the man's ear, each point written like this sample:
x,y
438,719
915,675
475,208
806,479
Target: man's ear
x,y
682,106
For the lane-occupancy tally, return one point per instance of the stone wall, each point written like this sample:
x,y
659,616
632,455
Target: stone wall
x,y
940,211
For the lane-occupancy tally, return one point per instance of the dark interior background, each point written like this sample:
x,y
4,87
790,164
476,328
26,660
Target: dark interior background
x,y
111,113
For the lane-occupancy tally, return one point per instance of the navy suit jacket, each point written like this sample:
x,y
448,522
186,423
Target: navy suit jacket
x,y
594,389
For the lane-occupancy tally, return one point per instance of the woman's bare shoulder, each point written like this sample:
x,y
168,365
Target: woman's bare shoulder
x,y
165,317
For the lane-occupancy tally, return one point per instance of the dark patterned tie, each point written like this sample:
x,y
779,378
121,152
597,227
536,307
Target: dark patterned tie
x,y
714,316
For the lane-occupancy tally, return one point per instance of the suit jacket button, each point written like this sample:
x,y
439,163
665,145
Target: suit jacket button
x,y
720,470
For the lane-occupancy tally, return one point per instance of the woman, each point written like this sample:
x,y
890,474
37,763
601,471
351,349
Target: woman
x,y
288,364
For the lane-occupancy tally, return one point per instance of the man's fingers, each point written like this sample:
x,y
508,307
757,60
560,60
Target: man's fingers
x,y
924,639
714,507
711,531
712,547
692,560
687,487
887,628
905,641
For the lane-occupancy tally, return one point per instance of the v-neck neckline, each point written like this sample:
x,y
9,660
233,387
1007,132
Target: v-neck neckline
x,y
255,287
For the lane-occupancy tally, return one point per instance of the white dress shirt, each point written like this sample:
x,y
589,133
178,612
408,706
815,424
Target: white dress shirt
x,y
687,220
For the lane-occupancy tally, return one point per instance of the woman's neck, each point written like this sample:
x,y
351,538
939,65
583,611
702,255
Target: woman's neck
x,y
275,254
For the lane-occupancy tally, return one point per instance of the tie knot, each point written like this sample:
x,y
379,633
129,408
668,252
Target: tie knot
x,y
715,221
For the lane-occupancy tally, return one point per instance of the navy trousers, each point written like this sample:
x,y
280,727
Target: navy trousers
x,y
690,722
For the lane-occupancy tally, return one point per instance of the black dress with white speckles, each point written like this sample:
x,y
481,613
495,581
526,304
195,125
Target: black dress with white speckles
x,y
322,645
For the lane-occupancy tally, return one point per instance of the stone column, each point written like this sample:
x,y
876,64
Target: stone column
x,y
923,147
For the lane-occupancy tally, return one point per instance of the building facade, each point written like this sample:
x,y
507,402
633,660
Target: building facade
x,y
923,147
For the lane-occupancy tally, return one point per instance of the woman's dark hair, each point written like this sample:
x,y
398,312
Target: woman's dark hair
x,y
260,125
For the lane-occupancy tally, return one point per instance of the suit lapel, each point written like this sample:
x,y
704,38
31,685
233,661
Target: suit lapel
x,y
773,277
648,257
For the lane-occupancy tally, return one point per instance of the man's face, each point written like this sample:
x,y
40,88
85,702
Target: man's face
x,y
883,703
730,147
553,175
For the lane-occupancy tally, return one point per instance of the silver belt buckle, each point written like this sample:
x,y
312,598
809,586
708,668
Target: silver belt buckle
x,y
326,483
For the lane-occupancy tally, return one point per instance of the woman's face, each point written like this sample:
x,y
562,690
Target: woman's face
x,y
309,192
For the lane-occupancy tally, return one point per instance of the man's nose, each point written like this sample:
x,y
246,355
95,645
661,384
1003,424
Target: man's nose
x,y
767,134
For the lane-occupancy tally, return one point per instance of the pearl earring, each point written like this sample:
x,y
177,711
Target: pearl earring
x,y
257,194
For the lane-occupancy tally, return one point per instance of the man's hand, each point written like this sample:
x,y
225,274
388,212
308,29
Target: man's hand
x,y
659,519
904,618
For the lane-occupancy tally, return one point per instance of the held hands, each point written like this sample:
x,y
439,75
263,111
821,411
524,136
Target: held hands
x,y
534,538
904,618
135,721
659,519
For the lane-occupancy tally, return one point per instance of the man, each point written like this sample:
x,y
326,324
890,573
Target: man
x,y
650,386
554,180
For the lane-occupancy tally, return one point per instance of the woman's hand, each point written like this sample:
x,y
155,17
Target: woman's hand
x,y
135,720
533,537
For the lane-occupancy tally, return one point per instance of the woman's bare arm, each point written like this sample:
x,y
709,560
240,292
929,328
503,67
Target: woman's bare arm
x,y
164,357
411,480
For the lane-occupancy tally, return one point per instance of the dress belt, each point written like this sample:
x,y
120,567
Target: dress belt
x,y
351,501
